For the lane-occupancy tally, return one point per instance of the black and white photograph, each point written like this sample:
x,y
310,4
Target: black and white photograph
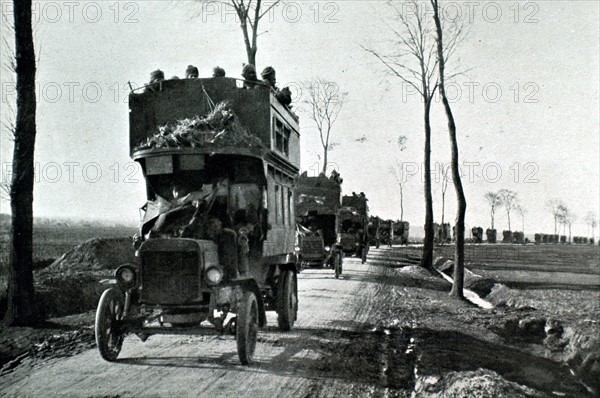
x,y
300,198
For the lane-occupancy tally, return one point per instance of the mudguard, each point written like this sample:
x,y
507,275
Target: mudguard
x,y
249,285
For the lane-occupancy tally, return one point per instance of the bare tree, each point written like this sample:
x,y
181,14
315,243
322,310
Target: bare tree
x,y
249,12
566,218
495,200
522,211
445,180
414,62
555,207
323,106
397,173
21,307
592,221
570,218
510,201
445,49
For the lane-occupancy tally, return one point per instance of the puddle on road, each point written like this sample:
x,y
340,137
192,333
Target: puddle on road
x,y
471,295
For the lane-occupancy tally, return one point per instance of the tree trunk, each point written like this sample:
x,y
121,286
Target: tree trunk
x,y
443,207
251,52
492,218
459,249
427,257
508,215
325,160
21,306
401,204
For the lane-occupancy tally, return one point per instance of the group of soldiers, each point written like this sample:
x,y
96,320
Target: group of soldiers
x,y
248,73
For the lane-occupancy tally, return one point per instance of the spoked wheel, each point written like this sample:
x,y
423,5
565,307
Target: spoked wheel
x,y
287,301
246,328
109,335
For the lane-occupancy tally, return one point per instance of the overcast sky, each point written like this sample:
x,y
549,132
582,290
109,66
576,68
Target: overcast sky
x,y
527,110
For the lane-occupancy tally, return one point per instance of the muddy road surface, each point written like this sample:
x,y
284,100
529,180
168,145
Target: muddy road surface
x,y
385,328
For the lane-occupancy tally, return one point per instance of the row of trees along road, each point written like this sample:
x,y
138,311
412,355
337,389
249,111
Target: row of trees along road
x,y
562,214
565,217
507,199
422,47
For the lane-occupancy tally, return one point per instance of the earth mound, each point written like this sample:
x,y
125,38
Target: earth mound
x,y
96,254
72,284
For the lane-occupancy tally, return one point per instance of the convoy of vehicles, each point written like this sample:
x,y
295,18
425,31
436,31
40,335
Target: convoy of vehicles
x,y
216,242
387,232
318,221
228,223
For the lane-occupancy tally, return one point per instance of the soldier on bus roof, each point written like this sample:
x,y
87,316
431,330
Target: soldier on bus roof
x,y
218,72
191,72
156,77
249,75
268,76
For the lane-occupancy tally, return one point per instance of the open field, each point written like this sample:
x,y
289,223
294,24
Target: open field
x,y
570,267
52,239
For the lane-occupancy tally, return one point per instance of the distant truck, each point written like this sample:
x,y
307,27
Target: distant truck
x,y
216,243
400,232
354,217
318,221
381,232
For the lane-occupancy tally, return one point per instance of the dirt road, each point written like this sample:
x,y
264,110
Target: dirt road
x,y
185,366
380,330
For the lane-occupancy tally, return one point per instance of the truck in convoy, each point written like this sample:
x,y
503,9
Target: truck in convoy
x,y
381,232
400,232
215,247
318,221
354,217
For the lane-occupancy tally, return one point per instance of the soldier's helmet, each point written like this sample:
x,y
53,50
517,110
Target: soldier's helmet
x,y
249,72
157,76
191,72
218,72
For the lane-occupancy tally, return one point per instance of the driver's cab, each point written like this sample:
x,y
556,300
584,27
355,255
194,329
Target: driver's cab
x,y
198,199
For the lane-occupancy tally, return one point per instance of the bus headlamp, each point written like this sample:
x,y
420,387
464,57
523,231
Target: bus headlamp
x,y
125,276
213,275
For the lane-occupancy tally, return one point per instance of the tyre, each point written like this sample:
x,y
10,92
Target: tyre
x,y
109,335
287,301
246,328
337,265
